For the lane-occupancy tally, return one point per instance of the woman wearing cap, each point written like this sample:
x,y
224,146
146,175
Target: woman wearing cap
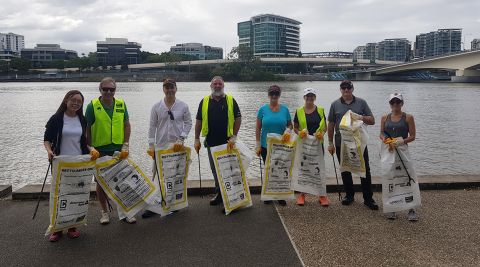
x,y
310,120
65,134
400,127
271,118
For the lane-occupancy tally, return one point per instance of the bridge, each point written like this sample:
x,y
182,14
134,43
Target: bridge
x,y
465,64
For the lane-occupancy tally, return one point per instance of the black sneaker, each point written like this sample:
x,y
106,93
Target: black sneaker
x,y
371,204
217,199
267,202
347,201
282,203
148,214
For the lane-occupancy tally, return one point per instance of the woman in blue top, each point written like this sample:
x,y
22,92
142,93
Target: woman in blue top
x,y
272,118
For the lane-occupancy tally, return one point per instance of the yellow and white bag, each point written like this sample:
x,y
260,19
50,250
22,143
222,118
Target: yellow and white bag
x,y
172,168
229,165
70,191
354,142
125,184
278,168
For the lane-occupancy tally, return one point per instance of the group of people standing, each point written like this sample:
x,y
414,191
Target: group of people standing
x,y
105,130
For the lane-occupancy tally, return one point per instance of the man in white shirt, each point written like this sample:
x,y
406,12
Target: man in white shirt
x,y
170,122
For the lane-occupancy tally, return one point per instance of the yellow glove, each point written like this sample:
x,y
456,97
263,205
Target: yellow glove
x,y
178,146
197,145
151,152
319,135
94,154
286,135
124,151
390,142
303,133
231,142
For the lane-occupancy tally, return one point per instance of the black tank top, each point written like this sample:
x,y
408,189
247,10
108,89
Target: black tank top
x,y
396,129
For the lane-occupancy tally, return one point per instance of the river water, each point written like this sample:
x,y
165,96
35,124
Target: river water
x,y
446,116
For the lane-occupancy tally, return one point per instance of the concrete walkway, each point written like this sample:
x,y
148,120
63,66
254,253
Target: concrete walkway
x,y
198,236
447,234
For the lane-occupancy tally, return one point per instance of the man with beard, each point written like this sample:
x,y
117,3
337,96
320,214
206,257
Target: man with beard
x,y
218,119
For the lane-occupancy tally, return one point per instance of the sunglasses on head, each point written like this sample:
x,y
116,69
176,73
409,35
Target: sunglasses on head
x,y
106,89
171,115
274,93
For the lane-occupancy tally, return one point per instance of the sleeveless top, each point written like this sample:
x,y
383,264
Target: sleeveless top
x,y
397,129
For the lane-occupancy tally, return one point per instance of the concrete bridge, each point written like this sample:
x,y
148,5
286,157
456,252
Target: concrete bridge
x,y
466,66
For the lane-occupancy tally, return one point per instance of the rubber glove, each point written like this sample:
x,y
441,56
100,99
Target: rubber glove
x,y
258,149
319,135
390,142
124,151
356,116
151,151
94,154
303,133
231,142
331,148
286,135
197,145
178,145
399,141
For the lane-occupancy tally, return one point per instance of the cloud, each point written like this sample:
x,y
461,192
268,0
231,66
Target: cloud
x,y
157,25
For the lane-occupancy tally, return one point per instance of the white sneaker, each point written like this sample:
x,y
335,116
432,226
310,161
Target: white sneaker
x,y
412,215
391,215
104,219
130,220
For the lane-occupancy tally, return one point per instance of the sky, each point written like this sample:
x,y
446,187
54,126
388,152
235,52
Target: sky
x,y
157,25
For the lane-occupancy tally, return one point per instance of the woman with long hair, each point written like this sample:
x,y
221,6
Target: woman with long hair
x,y
65,134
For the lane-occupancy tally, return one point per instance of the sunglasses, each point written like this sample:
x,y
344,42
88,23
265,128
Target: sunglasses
x,y
106,89
395,101
346,88
274,93
169,86
171,115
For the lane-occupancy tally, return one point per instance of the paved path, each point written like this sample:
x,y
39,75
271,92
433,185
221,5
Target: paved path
x,y
447,234
200,236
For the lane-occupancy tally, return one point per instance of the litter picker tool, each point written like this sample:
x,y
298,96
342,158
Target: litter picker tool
x,y
199,175
401,160
336,176
261,171
156,173
44,180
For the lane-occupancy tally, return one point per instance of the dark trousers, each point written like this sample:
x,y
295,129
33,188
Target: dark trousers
x,y
212,167
264,154
347,176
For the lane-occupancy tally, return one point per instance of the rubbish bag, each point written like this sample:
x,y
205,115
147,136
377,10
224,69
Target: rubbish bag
x,y
354,142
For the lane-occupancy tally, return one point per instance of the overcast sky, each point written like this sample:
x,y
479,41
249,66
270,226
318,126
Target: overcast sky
x,y
157,25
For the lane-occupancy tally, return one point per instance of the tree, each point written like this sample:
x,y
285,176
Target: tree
x,y
20,64
58,64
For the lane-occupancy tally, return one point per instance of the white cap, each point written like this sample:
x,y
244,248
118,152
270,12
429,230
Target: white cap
x,y
397,96
309,91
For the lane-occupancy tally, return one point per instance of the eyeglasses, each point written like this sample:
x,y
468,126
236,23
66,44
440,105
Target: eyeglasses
x,y
346,88
106,89
274,93
171,115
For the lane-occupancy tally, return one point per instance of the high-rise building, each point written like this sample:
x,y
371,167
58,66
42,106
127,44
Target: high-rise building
x,y
437,43
360,52
270,36
10,45
371,51
198,50
475,44
117,51
44,54
395,49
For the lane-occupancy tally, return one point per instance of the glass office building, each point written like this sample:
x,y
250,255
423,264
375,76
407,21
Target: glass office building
x,y
270,36
437,43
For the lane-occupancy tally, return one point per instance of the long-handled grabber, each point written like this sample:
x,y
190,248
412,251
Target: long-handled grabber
x,y
200,174
336,176
44,180
401,160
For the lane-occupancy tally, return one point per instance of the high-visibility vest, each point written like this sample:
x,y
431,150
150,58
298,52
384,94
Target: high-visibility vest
x,y
106,130
231,118
302,119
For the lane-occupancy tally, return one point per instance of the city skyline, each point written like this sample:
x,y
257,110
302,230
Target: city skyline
x,y
326,26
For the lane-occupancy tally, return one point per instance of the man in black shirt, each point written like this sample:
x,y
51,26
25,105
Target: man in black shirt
x,y
218,119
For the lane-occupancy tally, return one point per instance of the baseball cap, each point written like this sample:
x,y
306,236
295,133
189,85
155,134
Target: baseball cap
x,y
169,81
274,88
397,96
307,91
346,83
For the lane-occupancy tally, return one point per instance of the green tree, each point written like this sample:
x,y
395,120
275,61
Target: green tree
x,y
20,64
